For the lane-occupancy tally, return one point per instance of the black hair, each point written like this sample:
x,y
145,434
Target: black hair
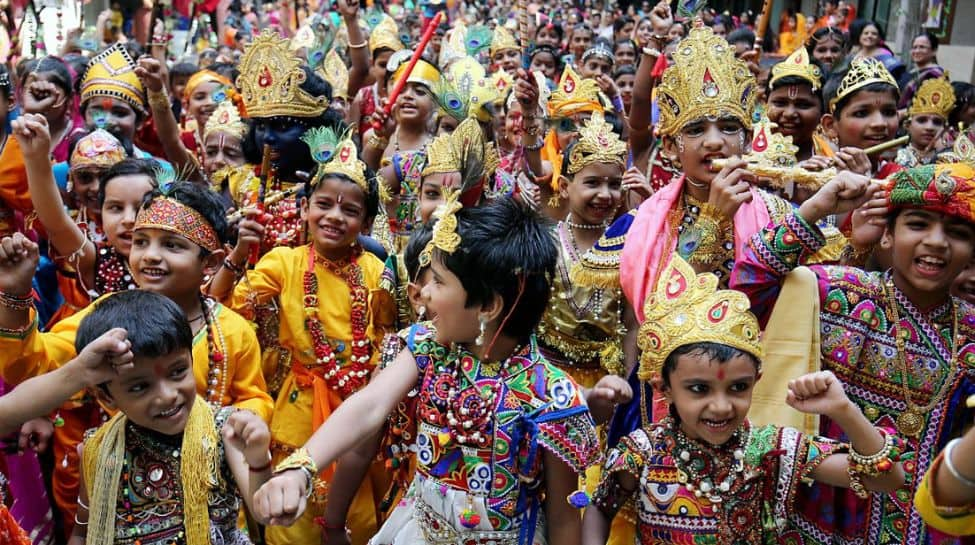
x,y
621,22
154,325
421,235
859,25
184,69
508,250
554,26
56,68
833,85
786,81
625,70
624,41
742,35
718,352
78,64
825,33
964,96
206,202
228,70
932,39
545,48
6,84
126,167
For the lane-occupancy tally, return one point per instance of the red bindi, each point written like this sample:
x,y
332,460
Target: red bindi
x,y
106,104
720,373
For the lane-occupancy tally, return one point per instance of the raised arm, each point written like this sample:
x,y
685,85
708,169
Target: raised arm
x,y
358,45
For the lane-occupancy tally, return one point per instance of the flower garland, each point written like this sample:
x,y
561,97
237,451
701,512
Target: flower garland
x,y
345,380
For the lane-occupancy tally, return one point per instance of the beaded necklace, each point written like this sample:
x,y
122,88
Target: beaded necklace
x,y
345,380
111,272
708,472
216,372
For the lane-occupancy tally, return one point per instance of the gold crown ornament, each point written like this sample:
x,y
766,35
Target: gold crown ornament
x,y
423,72
334,71
385,35
270,79
501,40
111,73
935,97
863,71
226,119
688,308
461,149
597,143
706,80
344,161
501,81
962,151
797,64
574,94
464,89
444,236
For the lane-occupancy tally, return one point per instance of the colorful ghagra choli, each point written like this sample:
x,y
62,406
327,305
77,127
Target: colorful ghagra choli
x,y
740,493
858,345
517,409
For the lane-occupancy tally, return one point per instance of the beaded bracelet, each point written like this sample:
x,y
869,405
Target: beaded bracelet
x,y
876,464
16,302
855,257
949,452
300,459
233,267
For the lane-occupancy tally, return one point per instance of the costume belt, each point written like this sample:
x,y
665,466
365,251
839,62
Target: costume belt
x,y
437,530
324,399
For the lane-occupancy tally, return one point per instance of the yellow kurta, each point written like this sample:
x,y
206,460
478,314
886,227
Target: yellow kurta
x,y
279,275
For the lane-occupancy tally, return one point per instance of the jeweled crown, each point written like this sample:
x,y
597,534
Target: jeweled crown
x,y
226,119
573,94
863,71
270,80
797,64
344,161
111,73
334,71
935,96
705,80
687,308
597,143
385,35
502,39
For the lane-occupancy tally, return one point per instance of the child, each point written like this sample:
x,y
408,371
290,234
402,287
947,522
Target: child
x,y
795,100
331,321
927,119
167,467
901,345
484,390
704,473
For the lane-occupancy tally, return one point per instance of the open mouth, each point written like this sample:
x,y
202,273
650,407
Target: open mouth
x,y
717,425
153,273
930,265
170,413
331,232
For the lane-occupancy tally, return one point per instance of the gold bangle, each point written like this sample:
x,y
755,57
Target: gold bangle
x,y
377,142
158,99
359,46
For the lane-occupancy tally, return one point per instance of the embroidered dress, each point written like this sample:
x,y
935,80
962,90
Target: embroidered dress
x,y
496,470
858,345
149,508
755,492
408,166
10,532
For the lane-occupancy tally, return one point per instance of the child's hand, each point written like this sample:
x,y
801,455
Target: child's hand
x,y
246,432
817,393
151,73
603,398
349,9
526,91
634,180
730,188
847,191
18,260
607,86
281,500
36,435
33,135
869,222
103,358
852,159
250,233
816,163
42,96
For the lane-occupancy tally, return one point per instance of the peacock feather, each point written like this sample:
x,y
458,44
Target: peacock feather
x,y
478,39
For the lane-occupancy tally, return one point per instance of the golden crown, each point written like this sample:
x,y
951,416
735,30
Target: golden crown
x,y
797,64
705,80
863,71
111,73
962,151
423,72
385,36
445,237
225,119
597,143
334,71
270,79
689,308
502,39
935,96
344,161
453,152
574,94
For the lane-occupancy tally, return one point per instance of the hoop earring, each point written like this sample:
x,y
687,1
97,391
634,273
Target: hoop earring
x,y
479,341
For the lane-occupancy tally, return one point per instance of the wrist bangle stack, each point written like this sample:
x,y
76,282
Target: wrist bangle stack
x,y
158,99
855,257
300,459
651,52
536,146
377,142
947,458
874,465
16,302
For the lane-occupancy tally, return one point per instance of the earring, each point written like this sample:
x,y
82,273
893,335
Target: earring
x,y
480,338
741,141
680,143
421,312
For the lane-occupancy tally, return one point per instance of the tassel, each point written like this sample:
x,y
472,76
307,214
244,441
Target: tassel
x,y
468,517
584,275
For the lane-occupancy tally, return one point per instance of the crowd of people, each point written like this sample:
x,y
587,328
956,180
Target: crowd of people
x,y
483,273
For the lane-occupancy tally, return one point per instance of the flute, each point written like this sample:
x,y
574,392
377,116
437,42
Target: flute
x,y
779,175
271,199
888,145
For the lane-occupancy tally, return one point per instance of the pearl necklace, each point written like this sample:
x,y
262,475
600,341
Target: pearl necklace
x,y
585,226
697,467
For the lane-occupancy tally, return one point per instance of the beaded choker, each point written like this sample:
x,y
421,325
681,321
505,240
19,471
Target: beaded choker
x,y
707,472
343,379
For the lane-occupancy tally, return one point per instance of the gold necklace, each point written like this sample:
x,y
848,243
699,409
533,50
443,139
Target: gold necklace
x,y
911,421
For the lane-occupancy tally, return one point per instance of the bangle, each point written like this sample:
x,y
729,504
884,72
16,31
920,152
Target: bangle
x,y
377,142
359,46
16,302
536,146
158,99
300,459
262,468
855,257
651,52
232,267
949,452
879,463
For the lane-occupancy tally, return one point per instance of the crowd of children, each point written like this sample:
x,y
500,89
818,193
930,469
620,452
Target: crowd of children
x,y
484,273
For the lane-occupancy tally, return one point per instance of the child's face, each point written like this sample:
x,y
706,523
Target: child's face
x,y
547,36
596,66
378,69
156,393
288,152
222,150
113,115
870,37
446,124
508,60
200,104
703,140
178,85
431,194
544,63
445,299
84,186
712,398
644,32
594,193
964,285
123,197
336,213
924,128
625,55
868,119
625,83
415,104
581,40
167,263
796,110
928,251
827,51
